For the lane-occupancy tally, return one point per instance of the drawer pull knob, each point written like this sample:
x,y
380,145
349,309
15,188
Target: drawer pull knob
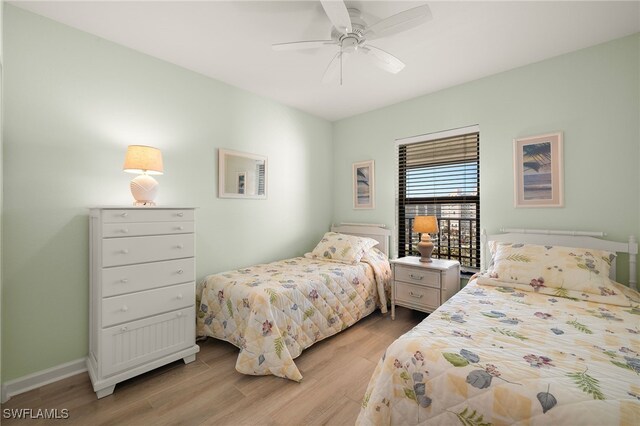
x,y
125,214
125,231
180,228
180,271
416,277
179,296
180,214
417,296
124,281
125,308
124,328
179,246
125,251
179,314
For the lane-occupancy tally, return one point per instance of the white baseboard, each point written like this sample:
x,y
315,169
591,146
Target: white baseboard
x,y
41,378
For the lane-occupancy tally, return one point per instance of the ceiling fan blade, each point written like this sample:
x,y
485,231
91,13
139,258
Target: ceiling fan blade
x,y
338,15
399,22
382,59
299,45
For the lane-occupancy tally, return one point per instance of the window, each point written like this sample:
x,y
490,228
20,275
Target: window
x,y
440,176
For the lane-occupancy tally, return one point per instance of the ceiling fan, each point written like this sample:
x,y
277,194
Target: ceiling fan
x,y
351,34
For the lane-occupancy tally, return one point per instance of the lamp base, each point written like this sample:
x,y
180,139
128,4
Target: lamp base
x,y
425,247
144,189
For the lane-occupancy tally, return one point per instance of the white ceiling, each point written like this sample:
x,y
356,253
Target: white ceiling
x,y
230,41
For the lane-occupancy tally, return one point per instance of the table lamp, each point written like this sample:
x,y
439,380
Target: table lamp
x,y
145,161
425,225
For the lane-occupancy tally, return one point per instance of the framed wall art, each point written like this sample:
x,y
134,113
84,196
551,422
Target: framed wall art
x,y
363,185
538,171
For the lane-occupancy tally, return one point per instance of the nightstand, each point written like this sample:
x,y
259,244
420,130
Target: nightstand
x,y
423,286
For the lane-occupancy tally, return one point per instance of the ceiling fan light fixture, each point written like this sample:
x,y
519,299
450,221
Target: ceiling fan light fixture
x,y
349,44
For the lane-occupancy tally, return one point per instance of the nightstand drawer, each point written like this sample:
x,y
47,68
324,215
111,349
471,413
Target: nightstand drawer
x,y
417,276
425,297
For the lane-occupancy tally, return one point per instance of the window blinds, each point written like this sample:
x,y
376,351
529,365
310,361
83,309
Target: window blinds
x,y
261,176
441,178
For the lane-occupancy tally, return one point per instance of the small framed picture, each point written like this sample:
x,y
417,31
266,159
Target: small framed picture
x,y
363,185
538,179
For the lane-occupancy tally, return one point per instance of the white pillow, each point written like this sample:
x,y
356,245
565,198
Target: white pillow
x,y
342,248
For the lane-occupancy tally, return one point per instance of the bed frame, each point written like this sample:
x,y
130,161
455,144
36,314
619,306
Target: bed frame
x,y
588,240
376,231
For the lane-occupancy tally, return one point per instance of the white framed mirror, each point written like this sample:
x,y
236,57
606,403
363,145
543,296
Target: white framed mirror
x,y
241,175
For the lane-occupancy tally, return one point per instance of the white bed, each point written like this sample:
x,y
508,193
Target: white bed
x,y
524,351
274,311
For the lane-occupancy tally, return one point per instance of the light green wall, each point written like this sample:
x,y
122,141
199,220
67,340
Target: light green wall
x,y
73,103
591,95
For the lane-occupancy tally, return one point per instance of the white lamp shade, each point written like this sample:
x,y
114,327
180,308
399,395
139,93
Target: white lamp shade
x,y
143,159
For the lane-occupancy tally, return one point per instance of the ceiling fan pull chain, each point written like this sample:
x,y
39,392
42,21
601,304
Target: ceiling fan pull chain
x,y
341,55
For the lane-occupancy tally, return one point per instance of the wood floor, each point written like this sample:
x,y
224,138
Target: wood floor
x,y
209,391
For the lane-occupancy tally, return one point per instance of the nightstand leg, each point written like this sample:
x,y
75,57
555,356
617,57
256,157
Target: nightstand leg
x,y
393,311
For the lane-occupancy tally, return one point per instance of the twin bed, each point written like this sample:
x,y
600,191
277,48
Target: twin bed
x,y
274,311
542,337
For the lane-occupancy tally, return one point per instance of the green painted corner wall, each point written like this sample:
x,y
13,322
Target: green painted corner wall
x,y
73,103
591,95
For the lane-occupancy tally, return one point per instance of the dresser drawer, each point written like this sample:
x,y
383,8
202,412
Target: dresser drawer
x,y
417,276
426,298
136,343
126,251
147,215
114,230
129,307
129,279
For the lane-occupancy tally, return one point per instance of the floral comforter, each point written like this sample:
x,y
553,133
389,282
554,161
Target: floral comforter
x,y
497,355
274,311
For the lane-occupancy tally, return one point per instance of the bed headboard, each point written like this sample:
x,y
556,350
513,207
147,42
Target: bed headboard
x,y
578,239
375,231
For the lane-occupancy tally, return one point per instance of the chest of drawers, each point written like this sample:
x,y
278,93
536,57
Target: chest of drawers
x,y
423,286
142,292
